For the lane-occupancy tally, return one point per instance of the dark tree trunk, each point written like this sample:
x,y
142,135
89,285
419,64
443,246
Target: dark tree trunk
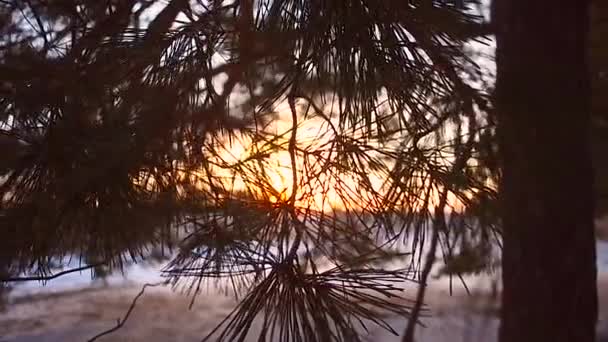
x,y
543,106
599,112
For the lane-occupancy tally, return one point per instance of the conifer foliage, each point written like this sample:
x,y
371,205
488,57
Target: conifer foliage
x,y
284,148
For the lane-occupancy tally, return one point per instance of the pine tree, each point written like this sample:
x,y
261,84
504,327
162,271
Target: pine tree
x,y
598,53
124,117
542,98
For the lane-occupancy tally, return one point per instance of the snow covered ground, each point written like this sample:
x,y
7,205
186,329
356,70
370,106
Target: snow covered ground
x,y
72,308
162,315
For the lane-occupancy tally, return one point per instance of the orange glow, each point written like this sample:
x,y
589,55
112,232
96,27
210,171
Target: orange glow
x,y
272,175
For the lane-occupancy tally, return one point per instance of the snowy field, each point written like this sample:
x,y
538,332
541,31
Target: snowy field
x,y
72,308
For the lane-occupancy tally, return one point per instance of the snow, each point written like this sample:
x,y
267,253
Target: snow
x,y
75,308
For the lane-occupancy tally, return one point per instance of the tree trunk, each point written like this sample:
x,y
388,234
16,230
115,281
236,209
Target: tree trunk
x,y
543,107
598,50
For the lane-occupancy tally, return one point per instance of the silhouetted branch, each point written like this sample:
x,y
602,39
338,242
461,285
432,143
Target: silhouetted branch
x,y
120,322
53,276
157,142
438,224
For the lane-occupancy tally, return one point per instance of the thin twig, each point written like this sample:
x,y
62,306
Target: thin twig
x,y
294,171
120,322
53,276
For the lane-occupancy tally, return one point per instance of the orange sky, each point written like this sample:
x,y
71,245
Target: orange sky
x,y
324,193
